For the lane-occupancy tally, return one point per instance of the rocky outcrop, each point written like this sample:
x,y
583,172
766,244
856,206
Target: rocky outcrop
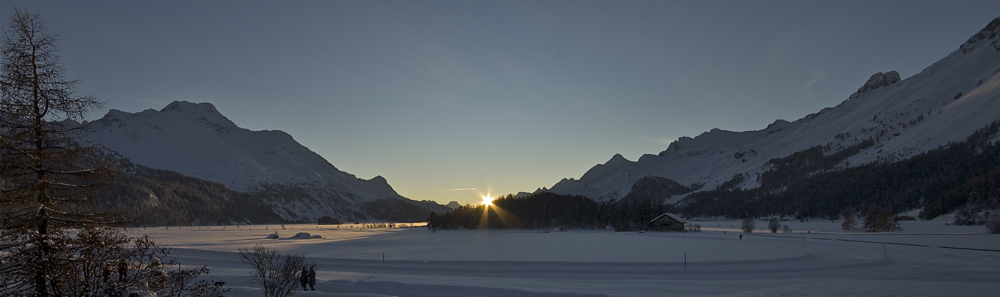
x,y
877,80
990,32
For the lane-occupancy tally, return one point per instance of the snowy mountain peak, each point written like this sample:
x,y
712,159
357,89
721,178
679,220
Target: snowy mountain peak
x,y
202,112
184,106
876,81
196,140
618,159
944,103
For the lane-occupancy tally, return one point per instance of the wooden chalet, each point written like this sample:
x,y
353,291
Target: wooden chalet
x,y
667,222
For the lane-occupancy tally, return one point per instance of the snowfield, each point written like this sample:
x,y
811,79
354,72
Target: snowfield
x,y
928,258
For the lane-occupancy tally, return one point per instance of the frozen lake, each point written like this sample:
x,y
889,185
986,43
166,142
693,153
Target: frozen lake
x,y
928,258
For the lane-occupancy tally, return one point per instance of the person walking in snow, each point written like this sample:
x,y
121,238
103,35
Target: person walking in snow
x,y
304,278
312,279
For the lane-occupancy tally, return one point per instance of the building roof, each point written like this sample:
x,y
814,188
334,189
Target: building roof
x,y
672,216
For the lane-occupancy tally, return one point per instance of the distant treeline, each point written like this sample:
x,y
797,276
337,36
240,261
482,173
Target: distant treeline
x,y
963,176
549,210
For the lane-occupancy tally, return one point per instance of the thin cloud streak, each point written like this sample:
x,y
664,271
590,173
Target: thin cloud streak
x,y
817,76
462,189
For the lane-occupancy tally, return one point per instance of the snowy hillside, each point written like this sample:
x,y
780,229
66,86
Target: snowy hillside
x,y
944,103
198,141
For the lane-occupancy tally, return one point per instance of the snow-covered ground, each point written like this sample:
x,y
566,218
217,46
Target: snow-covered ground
x,y
928,258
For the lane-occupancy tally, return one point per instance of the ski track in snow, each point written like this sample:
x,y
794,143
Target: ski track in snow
x,y
604,263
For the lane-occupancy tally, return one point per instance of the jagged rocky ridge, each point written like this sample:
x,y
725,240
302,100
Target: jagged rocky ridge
x,y
199,143
886,121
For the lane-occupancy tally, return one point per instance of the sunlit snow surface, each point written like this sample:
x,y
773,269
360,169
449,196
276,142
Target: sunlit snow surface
x,y
828,262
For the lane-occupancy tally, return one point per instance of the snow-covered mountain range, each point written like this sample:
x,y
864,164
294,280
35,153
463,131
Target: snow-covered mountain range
x,y
944,103
198,141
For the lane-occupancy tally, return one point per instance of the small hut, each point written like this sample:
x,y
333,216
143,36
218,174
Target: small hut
x,y
668,222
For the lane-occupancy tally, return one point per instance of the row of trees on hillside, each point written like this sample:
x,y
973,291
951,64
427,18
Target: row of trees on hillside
x,y
153,197
959,176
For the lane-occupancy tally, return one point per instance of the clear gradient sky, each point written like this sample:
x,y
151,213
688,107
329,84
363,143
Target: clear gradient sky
x,y
440,97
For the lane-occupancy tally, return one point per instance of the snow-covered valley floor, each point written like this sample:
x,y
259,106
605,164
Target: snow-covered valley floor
x,y
928,258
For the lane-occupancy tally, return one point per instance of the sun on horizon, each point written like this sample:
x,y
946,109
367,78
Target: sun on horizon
x,y
487,200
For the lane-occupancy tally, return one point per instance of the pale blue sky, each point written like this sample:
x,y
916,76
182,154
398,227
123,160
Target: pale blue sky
x,y
501,96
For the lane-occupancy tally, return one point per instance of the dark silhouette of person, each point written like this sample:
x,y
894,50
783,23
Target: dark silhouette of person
x,y
741,236
304,279
122,271
312,279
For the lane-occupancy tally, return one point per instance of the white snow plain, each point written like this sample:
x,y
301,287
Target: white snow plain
x,y
928,258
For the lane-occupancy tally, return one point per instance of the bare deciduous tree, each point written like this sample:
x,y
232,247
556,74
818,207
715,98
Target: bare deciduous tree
x,y
748,225
773,224
276,274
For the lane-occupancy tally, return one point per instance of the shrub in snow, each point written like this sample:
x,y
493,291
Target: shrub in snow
x,y
278,275
273,236
786,229
748,225
773,225
993,224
